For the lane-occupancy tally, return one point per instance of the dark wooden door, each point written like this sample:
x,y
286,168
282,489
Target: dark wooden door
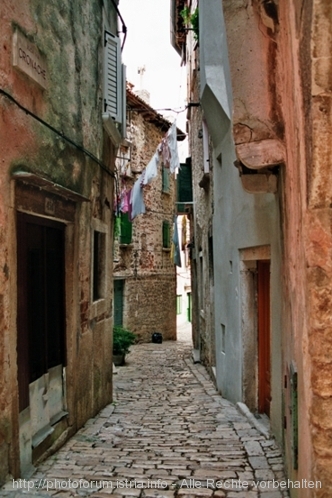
x,y
264,356
41,299
118,302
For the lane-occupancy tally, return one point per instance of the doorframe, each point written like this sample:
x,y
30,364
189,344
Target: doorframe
x,y
249,322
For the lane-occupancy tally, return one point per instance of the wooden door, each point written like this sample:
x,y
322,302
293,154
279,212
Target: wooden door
x,y
41,300
264,355
118,302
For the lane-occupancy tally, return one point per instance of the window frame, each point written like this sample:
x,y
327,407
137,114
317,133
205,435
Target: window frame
x,y
99,305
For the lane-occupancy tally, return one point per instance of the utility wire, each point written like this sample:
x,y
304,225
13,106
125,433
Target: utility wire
x,y
59,133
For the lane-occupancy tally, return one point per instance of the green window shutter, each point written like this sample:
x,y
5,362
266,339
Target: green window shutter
x,y
126,229
165,179
189,309
166,235
184,186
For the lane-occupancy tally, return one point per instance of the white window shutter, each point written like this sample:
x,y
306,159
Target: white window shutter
x,y
112,77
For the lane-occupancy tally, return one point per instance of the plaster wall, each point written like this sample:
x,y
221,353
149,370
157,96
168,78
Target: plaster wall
x,y
240,220
308,240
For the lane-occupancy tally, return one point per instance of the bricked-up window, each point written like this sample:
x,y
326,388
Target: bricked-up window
x,y
165,179
166,235
99,259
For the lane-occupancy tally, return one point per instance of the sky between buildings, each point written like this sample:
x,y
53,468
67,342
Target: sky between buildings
x,y
148,45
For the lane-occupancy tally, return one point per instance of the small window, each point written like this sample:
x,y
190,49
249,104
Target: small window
x,y
166,235
165,179
98,274
178,304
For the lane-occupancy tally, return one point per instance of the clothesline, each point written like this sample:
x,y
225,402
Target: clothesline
x,y
132,201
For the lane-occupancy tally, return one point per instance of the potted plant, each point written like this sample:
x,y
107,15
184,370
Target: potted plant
x,y
122,340
191,19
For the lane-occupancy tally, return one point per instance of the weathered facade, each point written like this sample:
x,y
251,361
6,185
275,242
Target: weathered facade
x,y
58,138
265,95
144,272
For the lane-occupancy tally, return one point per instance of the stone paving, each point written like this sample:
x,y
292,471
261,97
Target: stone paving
x,y
167,434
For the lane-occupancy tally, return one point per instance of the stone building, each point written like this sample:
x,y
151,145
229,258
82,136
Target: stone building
x,y
60,127
264,82
144,270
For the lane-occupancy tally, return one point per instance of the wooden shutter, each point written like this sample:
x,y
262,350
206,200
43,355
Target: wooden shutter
x,y
112,77
165,179
166,235
126,229
184,186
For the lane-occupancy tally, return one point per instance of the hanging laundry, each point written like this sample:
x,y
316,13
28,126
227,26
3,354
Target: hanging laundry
x,y
175,240
184,233
173,147
124,205
152,169
129,203
165,152
136,198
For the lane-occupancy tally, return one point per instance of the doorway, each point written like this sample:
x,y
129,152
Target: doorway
x,y
41,351
118,302
263,326
255,284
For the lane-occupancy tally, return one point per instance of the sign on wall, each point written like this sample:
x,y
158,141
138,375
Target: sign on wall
x,y
27,58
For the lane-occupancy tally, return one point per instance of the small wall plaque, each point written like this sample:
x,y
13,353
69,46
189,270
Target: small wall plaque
x,y
27,58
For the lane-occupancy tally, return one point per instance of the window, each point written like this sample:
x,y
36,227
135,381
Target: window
x,y
112,70
166,235
165,179
126,229
178,304
98,274
114,105
184,185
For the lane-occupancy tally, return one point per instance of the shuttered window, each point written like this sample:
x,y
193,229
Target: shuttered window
x,y
126,229
184,186
166,235
114,79
165,179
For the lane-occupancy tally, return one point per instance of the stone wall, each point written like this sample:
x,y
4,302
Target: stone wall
x,y
146,267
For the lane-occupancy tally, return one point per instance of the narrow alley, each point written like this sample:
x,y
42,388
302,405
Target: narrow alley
x,y
168,433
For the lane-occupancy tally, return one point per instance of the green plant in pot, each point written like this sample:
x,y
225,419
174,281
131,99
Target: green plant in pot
x,y
122,340
191,19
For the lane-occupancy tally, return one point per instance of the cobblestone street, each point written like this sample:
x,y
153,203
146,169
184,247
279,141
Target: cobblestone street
x,y
169,432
